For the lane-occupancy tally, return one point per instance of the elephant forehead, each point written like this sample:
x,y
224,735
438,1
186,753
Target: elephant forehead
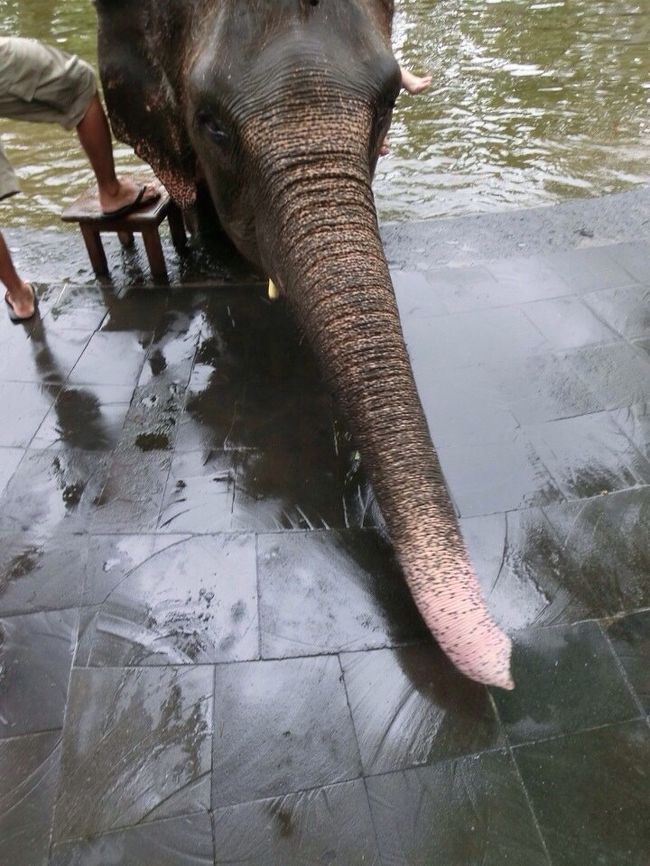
x,y
268,46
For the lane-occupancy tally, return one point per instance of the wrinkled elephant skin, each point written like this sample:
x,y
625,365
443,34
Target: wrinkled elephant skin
x,y
281,106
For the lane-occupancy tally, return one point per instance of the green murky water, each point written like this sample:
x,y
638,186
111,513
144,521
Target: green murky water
x,y
531,103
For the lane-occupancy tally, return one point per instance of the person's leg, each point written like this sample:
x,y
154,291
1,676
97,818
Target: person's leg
x,y
95,137
19,293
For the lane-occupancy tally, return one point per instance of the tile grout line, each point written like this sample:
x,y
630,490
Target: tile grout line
x,y
58,791
619,664
363,772
173,451
529,801
259,598
71,840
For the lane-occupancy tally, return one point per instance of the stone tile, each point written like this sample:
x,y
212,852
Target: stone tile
x,y
47,356
211,411
497,476
470,339
27,405
607,539
41,572
568,323
498,284
29,770
472,810
468,288
152,418
634,256
78,308
9,461
170,600
287,420
174,842
222,353
283,726
630,637
283,489
411,707
589,792
567,680
634,420
627,311
527,575
171,353
325,825
277,354
617,373
131,499
417,294
136,310
136,747
590,269
35,660
111,358
463,407
589,455
543,388
528,278
90,418
52,492
200,492
330,591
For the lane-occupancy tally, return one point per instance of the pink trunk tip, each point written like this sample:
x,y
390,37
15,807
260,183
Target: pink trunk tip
x,y
451,604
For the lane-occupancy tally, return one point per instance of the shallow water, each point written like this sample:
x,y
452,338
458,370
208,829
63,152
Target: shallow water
x,y
531,103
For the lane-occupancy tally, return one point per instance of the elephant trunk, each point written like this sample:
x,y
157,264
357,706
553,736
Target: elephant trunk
x,y
322,240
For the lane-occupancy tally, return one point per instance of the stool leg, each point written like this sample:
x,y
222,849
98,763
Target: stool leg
x,y
176,227
95,249
126,238
154,250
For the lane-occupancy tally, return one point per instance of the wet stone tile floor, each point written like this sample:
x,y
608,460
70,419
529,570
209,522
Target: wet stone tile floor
x,y
207,654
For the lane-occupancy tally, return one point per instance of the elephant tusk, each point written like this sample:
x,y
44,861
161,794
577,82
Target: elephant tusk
x,y
274,292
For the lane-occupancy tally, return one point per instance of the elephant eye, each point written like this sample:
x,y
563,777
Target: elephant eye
x,y
213,127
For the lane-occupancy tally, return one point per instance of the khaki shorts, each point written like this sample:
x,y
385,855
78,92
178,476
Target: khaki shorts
x,y
41,84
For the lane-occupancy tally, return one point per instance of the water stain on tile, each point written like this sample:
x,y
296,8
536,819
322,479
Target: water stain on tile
x,y
410,707
184,601
590,794
35,660
171,842
280,727
136,740
472,810
29,772
630,637
329,825
567,680
330,591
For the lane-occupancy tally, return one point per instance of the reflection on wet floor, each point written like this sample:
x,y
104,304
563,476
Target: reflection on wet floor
x,y
207,652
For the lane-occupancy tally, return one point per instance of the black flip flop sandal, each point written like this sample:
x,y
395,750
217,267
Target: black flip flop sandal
x,y
136,204
13,316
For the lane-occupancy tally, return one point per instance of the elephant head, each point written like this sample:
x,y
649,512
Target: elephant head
x,y
281,106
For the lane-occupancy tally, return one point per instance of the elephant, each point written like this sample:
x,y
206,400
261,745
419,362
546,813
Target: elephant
x,y
279,108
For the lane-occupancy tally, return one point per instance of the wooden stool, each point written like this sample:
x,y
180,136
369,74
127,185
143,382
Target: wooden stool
x,y
146,220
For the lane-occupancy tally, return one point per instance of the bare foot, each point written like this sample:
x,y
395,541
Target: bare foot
x,y
125,193
384,147
413,83
22,300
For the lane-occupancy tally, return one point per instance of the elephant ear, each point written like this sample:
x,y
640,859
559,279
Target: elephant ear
x,y
141,99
